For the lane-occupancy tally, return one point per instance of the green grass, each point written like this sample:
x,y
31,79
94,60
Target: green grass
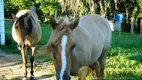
x,y
124,59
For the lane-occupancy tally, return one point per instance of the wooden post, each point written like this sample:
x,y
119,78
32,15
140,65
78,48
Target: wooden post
x,y
132,27
74,15
55,14
119,23
141,28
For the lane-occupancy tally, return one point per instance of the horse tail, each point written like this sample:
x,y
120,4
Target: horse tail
x,y
46,49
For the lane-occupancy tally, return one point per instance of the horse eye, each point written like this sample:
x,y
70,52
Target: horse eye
x,y
72,47
53,45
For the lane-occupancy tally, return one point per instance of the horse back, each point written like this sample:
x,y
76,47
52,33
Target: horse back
x,y
95,28
36,31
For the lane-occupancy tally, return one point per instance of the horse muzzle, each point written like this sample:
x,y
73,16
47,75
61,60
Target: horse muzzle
x,y
20,46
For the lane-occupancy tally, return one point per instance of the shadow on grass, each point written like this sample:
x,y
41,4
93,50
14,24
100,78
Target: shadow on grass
x,y
17,78
45,76
2,77
123,75
137,58
10,64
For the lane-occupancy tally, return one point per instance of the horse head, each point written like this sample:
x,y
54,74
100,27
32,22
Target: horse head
x,y
62,45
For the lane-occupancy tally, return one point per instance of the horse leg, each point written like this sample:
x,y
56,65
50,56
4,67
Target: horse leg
x,y
96,67
32,61
24,56
102,61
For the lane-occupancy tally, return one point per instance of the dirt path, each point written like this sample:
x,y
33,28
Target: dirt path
x,y
10,68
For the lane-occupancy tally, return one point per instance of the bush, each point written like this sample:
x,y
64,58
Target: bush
x,y
8,40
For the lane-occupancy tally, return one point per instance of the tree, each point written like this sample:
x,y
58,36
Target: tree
x,y
44,8
92,6
48,8
9,8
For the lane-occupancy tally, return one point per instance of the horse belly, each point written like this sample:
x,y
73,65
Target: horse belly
x,y
84,59
79,59
15,37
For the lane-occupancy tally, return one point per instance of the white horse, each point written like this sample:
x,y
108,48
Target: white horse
x,y
83,42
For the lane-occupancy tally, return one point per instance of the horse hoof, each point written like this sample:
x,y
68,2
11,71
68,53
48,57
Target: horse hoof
x,y
32,77
24,79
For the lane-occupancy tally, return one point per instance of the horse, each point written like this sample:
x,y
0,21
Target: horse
x,y
26,31
84,41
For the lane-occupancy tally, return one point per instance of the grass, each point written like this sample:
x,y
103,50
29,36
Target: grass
x,y
124,59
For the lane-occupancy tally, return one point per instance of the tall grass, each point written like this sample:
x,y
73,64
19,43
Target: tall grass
x,y
124,59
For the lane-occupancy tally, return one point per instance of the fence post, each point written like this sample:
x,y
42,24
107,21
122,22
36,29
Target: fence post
x,y
2,27
119,25
74,15
132,27
141,28
55,14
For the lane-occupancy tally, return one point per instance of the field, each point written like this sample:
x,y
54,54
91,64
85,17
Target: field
x,y
124,59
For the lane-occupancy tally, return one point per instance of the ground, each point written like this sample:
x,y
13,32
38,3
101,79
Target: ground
x,y
11,68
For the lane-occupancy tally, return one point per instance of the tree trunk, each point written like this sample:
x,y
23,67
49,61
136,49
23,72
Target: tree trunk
x,y
92,6
63,5
115,2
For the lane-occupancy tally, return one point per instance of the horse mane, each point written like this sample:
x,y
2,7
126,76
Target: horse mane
x,y
20,20
62,26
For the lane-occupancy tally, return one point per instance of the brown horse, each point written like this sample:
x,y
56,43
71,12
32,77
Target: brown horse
x,y
74,44
26,31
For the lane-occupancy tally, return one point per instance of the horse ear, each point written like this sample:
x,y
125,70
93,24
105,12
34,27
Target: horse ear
x,y
14,16
52,22
74,24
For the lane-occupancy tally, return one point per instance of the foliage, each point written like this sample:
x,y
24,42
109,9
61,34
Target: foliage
x,y
83,9
22,4
9,8
46,8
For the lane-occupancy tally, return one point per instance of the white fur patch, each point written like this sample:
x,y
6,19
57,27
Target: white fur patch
x,y
63,55
22,12
14,33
